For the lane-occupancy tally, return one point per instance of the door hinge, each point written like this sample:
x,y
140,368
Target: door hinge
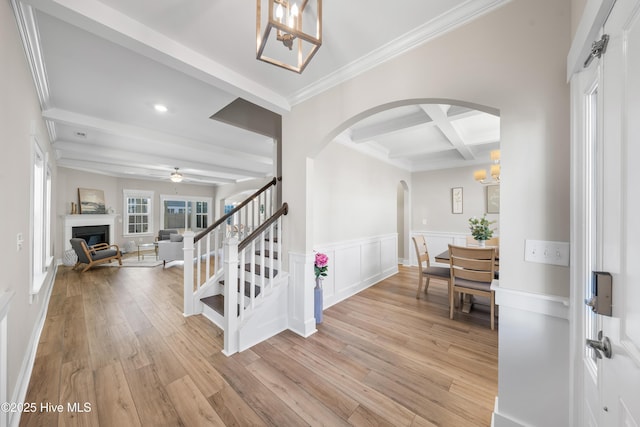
x,y
597,49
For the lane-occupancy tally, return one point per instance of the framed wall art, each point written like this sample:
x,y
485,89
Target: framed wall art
x,y
493,199
456,200
91,201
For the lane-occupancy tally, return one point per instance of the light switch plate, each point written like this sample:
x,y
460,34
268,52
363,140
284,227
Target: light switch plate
x,y
546,252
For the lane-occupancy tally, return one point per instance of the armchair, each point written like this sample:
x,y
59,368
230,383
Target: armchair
x,y
96,254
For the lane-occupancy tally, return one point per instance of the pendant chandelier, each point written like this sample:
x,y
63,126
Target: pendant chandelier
x,y
292,32
176,176
480,175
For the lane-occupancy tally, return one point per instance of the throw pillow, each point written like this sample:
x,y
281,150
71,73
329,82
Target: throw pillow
x,y
176,237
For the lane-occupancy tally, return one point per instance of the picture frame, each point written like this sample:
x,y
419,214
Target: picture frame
x,y
493,199
91,201
456,200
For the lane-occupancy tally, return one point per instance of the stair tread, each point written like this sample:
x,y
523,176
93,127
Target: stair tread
x,y
267,270
247,288
267,254
216,303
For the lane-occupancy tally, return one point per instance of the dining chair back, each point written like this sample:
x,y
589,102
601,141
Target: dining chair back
x,y
472,271
425,270
492,242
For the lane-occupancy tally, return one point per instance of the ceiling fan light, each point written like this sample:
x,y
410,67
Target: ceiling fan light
x,y
176,176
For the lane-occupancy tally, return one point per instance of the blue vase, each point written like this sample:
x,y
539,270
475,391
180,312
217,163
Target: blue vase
x,y
317,300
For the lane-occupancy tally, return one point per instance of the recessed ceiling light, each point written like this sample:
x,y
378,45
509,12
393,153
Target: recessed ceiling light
x,y
160,108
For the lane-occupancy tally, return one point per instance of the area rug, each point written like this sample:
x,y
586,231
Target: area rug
x,y
133,262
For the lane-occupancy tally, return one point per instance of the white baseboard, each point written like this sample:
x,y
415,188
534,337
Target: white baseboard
x,y
22,384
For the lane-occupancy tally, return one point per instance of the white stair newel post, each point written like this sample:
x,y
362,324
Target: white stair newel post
x,y
188,273
231,297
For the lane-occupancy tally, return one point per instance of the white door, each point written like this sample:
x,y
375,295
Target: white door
x,y
616,224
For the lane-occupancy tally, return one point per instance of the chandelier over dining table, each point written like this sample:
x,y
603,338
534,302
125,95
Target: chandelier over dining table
x,y
292,32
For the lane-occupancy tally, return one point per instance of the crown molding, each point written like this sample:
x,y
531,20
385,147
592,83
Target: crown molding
x,y
27,25
438,26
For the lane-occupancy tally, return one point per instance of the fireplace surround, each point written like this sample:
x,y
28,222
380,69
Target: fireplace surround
x,y
105,221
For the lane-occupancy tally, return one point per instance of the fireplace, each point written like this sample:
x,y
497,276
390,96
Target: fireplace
x,y
92,234
90,222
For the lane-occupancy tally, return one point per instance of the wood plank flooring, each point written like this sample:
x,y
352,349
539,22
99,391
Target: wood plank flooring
x,y
116,343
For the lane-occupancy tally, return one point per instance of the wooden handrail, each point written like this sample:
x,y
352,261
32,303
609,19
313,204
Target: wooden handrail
x,y
203,233
277,214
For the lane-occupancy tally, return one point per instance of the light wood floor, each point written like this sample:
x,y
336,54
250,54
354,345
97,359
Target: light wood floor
x,y
115,339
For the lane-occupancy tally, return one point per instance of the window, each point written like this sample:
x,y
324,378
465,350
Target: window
x,y
185,213
41,215
138,208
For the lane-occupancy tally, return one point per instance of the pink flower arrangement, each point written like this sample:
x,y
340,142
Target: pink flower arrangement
x,y
320,266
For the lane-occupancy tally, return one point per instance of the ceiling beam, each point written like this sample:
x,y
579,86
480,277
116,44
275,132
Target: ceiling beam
x,y
367,133
439,117
132,172
153,138
74,150
100,19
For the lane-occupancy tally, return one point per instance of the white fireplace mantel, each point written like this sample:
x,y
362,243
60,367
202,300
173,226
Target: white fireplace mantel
x,y
71,221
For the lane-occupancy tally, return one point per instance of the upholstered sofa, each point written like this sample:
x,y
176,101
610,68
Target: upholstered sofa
x,y
171,249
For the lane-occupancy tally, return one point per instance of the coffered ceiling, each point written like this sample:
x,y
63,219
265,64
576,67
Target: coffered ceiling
x,y
101,66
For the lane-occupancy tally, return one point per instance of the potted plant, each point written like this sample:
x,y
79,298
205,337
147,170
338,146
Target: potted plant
x,y
481,229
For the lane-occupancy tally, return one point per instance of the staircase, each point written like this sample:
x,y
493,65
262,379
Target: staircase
x,y
241,248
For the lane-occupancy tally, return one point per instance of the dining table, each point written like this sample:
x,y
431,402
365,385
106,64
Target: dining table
x,y
467,301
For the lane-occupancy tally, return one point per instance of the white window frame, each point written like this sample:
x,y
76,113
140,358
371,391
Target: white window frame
x,y
192,199
142,194
41,188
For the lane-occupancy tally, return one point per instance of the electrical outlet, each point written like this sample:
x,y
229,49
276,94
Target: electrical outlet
x,y
19,241
545,252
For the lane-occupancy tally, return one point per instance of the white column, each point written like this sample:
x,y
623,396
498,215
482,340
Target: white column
x,y
189,308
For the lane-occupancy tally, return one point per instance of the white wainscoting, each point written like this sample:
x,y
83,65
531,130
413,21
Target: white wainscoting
x,y
534,343
437,242
357,264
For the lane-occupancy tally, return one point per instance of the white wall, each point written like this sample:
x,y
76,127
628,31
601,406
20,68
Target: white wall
x,y
512,59
431,200
225,191
69,180
354,195
19,109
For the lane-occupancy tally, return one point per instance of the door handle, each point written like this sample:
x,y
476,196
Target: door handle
x,y
601,346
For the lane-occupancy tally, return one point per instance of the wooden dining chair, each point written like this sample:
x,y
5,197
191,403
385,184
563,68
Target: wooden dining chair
x,y
472,271
492,242
425,270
